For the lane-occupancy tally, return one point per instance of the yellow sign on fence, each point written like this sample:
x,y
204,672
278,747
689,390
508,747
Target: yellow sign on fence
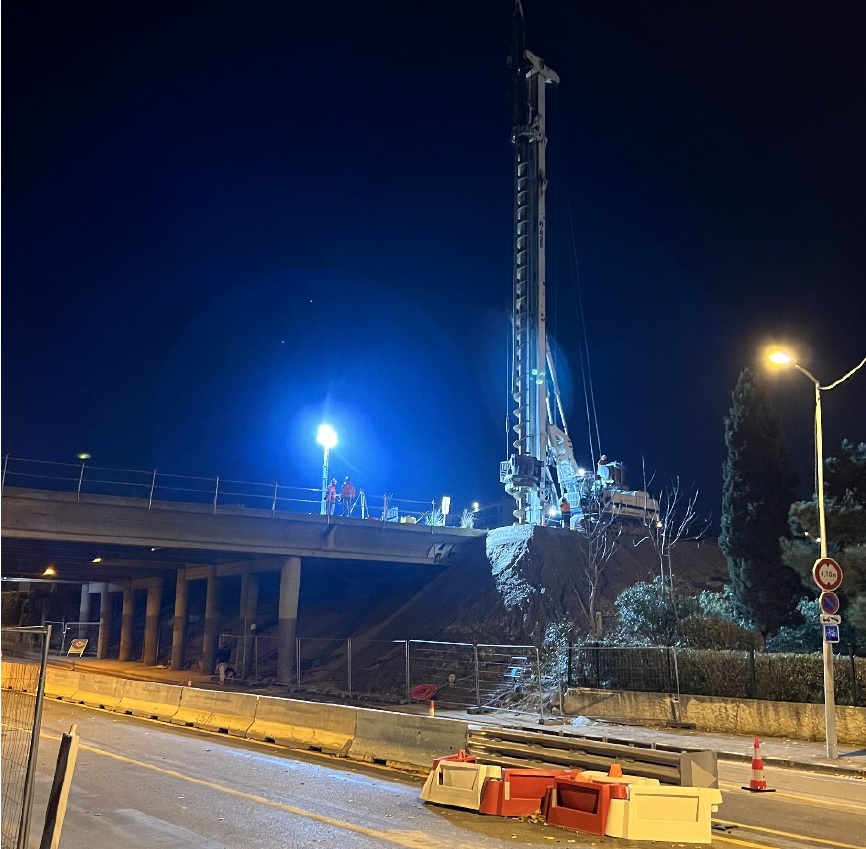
x,y
77,647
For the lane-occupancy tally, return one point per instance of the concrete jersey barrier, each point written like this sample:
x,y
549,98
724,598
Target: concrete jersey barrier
x,y
150,699
100,691
406,739
216,710
61,684
307,725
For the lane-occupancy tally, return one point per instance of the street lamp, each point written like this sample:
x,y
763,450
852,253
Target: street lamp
x,y
327,438
784,358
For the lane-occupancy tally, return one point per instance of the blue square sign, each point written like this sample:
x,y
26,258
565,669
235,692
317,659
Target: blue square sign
x,y
831,633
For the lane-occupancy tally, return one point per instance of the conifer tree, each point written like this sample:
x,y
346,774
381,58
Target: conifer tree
x,y
756,495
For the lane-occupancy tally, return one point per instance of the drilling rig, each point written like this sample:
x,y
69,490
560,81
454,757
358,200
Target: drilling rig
x,y
542,469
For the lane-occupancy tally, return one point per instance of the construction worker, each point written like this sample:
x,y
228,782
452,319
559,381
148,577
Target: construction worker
x,y
565,512
347,495
331,497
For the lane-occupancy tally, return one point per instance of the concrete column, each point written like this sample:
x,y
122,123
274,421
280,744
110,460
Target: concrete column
x,y
126,620
211,621
104,622
290,585
151,623
248,612
84,609
178,633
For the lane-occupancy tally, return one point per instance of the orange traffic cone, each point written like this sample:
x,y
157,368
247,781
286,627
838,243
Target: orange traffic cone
x,y
432,711
757,784
615,771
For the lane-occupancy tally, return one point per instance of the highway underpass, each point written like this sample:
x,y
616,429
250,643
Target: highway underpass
x,y
138,551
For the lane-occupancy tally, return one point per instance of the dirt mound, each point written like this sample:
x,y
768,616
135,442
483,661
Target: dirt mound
x,y
509,586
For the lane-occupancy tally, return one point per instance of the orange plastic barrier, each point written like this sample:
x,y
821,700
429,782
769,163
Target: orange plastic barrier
x,y
519,792
580,805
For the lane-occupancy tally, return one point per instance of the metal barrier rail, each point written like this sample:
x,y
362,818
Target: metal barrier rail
x,y
542,750
215,493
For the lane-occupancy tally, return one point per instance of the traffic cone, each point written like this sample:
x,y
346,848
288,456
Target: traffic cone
x,y
432,711
757,784
615,771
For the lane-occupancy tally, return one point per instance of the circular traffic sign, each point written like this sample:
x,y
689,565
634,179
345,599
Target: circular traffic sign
x,y
827,574
829,603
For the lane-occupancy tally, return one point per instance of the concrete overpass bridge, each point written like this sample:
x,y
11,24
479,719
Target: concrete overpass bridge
x,y
139,547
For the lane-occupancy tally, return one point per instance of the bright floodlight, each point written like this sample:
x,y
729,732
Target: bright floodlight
x,y
326,437
780,358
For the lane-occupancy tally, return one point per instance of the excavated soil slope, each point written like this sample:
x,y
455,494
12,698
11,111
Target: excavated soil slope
x,y
510,586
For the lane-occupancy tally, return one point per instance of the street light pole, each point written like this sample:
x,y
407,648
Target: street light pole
x,y
827,647
327,438
783,358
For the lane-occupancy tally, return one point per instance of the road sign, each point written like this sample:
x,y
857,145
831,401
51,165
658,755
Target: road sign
x,y
830,619
831,633
827,574
829,603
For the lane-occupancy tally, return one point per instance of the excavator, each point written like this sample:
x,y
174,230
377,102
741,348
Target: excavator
x,y
542,468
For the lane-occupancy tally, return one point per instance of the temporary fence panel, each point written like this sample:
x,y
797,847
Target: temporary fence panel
x,y
647,669
449,669
73,631
265,657
509,679
322,665
25,657
377,668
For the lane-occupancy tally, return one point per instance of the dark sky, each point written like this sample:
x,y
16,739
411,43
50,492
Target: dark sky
x,y
225,223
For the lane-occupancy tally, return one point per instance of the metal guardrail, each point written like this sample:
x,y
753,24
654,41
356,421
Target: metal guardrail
x,y
151,487
508,747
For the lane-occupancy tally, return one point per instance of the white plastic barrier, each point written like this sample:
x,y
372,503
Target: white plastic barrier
x,y
458,783
304,725
150,699
216,710
404,739
100,691
670,814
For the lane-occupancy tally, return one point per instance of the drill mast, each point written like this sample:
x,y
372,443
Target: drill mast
x,y
525,474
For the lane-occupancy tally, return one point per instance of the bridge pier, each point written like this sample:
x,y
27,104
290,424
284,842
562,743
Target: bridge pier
x,y
211,620
290,584
178,631
151,622
248,612
84,609
104,621
126,621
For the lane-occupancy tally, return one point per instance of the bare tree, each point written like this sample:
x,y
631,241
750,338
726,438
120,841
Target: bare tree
x,y
677,520
600,535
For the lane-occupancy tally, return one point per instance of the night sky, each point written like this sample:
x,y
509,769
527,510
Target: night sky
x,y
226,223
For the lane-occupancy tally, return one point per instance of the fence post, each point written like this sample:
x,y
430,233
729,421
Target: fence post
x,y
753,678
408,682
569,658
540,688
274,504
597,653
5,465
676,670
349,664
853,676
297,661
216,494
477,677
152,488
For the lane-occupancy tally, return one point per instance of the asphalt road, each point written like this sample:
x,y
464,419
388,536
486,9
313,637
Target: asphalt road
x,y
150,785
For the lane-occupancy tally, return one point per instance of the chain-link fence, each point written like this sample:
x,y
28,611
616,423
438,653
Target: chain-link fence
x,y
25,657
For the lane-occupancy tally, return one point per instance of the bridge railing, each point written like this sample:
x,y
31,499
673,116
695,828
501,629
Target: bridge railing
x,y
151,487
